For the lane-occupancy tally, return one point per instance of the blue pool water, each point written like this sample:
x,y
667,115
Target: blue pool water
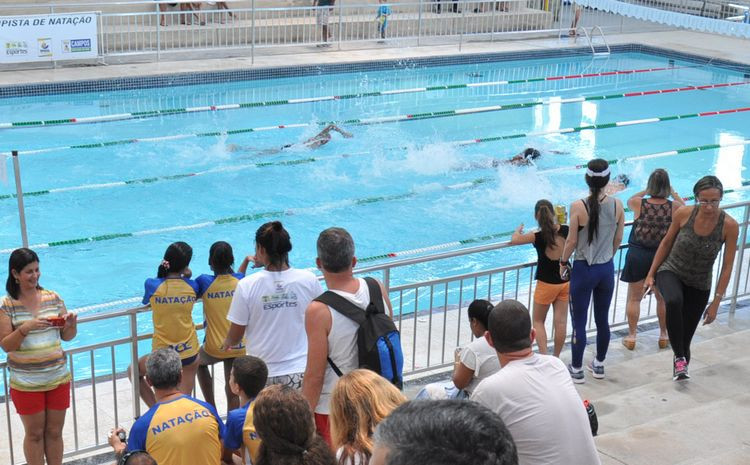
x,y
380,160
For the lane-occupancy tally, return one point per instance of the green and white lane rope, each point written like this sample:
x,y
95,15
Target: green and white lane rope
x,y
236,106
354,202
385,119
306,160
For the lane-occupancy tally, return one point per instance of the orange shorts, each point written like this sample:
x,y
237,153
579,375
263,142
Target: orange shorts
x,y
547,293
29,403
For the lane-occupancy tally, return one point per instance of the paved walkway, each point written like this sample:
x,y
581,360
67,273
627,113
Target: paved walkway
x,y
685,41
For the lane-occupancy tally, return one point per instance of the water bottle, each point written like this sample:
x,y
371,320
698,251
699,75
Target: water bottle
x,y
593,421
561,214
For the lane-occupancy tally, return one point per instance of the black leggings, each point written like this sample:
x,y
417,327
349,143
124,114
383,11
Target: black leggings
x,y
685,307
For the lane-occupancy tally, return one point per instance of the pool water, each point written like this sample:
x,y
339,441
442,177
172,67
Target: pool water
x,y
395,186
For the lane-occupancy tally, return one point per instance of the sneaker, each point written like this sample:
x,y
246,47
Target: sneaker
x,y
576,376
680,370
596,371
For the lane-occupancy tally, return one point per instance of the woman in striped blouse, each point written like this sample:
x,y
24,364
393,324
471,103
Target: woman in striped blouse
x,y
33,321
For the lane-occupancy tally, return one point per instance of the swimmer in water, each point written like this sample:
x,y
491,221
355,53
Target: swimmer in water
x,y
528,156
619,184
319,140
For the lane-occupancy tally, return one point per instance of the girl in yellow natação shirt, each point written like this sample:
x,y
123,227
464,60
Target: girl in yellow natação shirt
x,y
171,296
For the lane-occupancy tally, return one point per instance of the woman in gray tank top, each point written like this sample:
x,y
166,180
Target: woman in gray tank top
x,y
683,267
596,226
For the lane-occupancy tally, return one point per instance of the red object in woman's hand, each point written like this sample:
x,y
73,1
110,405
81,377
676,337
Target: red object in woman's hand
x,y
57,321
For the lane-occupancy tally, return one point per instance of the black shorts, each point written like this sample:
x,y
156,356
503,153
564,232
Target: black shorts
x,y
637,263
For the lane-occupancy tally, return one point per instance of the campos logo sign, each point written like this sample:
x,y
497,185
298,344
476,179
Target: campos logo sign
x,y
45,47
76,45
16,48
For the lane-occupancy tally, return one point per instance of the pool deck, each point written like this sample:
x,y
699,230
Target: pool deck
x,y
707,45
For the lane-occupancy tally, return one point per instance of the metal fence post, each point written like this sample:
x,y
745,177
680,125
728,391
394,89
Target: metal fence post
x,y
493,7
135,382
740,258
158,32
340,3
252,33
463,23
19,197
419,22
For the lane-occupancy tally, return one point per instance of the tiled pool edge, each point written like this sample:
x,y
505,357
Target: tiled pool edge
x,y
207,77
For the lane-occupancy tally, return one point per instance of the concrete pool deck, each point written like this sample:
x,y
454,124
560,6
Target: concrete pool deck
x,y
707,45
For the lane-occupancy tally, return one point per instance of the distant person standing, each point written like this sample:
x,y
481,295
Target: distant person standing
x,y
652,217
322,15
268,307
683,267
384,12
551,288
596,228
534,396
33,321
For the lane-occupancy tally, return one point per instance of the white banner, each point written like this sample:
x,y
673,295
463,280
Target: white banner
x,y
48,37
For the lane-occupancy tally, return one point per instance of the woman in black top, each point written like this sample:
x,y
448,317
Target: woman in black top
x,y
550,288
652,216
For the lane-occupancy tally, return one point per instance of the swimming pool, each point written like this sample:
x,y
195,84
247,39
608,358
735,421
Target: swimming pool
x,y
399,184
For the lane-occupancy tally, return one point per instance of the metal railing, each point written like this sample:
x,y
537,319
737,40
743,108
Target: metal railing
x,y
431,315
134,29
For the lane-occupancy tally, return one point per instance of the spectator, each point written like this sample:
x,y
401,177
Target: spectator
x,y
534,395
443,432
269,308
178,429
651,219
322,14
33,321
473,363
248,377
171,296
596,223
332,337
216,291
551,288
136,457
285,424
683,266
359,402
224,6
384,11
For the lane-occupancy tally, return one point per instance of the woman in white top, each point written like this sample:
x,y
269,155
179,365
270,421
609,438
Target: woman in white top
x,y
359,402
473,363
268,307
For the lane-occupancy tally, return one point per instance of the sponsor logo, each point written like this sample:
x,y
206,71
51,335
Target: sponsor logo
x,y
76,45
18,47
45,47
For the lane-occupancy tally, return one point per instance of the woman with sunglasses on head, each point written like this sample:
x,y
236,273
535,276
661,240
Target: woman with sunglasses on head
x,y
683,265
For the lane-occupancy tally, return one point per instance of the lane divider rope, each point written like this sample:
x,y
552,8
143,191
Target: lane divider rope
x,y
235,106
355,202
153,179
386,119
403,253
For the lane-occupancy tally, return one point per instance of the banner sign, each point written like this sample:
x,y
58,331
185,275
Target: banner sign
x,y
48,37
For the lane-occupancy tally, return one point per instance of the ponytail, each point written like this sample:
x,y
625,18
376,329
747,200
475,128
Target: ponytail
x,y
545,217
275,241
221,257
597,177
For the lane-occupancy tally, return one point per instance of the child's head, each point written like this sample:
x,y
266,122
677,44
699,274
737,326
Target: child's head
x,y
249,375
220,257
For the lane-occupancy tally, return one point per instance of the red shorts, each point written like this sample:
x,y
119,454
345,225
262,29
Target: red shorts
x,y
323,427
29,403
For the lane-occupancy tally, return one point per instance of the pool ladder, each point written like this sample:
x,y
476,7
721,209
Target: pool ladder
x,y
589,38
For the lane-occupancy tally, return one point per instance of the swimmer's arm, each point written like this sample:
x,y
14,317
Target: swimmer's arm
x,y
519,237
346,134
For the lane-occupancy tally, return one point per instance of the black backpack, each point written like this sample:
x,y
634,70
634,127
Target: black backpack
x,y
378,340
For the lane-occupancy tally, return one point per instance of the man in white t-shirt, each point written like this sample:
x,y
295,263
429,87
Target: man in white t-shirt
x,y
330,334
534,395
268,307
